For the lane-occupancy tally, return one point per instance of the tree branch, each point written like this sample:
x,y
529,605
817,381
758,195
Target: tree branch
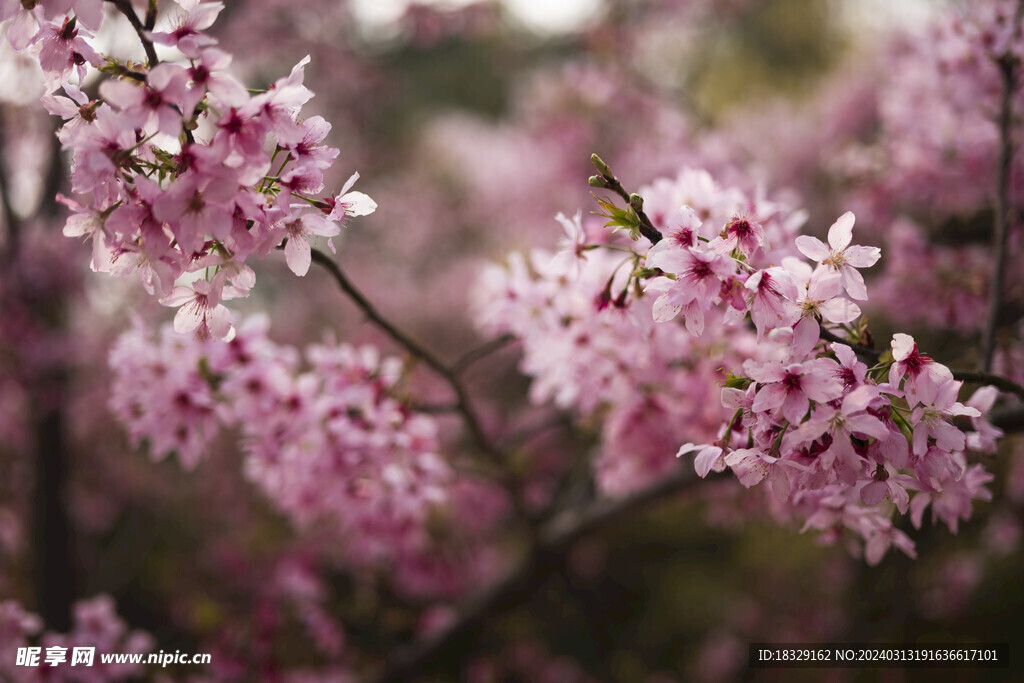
x,y
999,382
463,404
860,350
125,8
608,180
1009,419
547,555
1008,64
482,351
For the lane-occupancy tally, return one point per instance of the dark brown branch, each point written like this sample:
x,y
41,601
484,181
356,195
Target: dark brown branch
x,y
125,8
1008,67
462,401
482,351
1010,419
554,540
1001,383
151,10
862,351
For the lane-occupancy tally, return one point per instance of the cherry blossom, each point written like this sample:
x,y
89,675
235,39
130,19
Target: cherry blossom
x,y
840,256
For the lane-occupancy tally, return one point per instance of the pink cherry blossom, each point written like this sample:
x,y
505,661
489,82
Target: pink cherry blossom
x,y
840,256
923,375
772,299
299,230
200,309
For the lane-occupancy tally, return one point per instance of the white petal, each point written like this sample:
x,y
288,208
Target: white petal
x,y
359,204
902,346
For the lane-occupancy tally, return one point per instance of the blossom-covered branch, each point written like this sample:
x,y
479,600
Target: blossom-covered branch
x,y
976,376
834,439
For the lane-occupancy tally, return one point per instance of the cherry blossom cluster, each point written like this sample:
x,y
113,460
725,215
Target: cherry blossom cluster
x,y
96,625
332,441
180,173
830,436
590,345
839,444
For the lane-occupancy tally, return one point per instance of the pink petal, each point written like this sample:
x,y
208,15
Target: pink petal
x,y
297,255
21,30
841,232
705,460
187,319
917,507
839,310
862,257
805,336
824,284
854,283
664,309
873,493
219,322
770,398
122,94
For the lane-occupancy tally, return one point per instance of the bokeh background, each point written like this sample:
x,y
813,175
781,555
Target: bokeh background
x,y
472,125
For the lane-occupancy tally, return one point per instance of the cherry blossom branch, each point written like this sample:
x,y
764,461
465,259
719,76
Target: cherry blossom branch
x,y
1008,66
463,404
999,382
607,180
553,542
859,349
125,8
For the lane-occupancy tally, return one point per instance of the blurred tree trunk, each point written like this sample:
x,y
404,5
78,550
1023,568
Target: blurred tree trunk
x,y
45,375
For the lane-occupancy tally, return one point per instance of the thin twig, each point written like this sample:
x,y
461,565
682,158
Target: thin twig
x,y
482,351
522,435
1008,64
462,401
435,408
860,350
554,541
125,8
612,183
